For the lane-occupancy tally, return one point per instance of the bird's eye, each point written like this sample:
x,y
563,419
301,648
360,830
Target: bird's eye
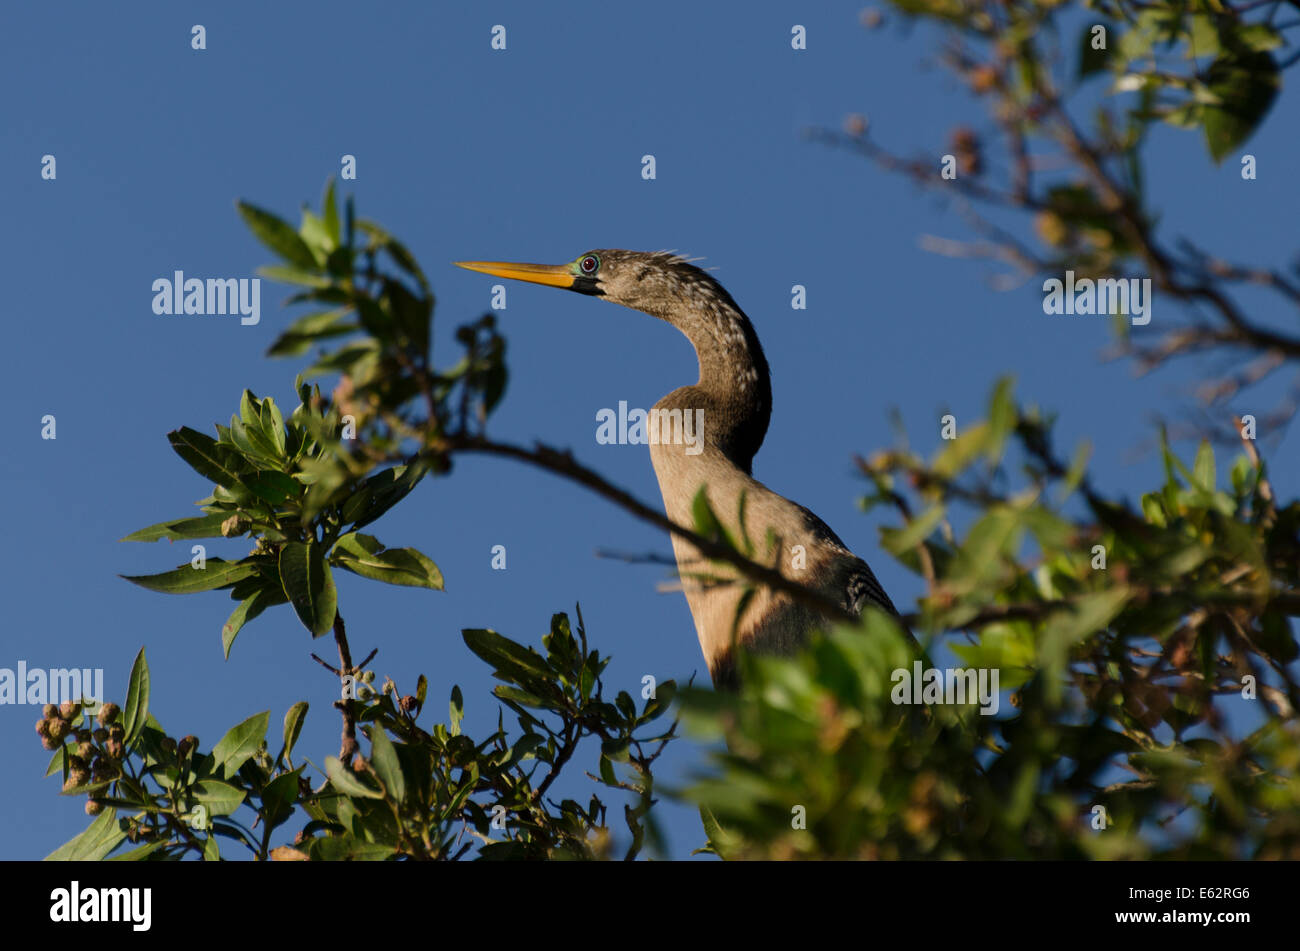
x,y
589,264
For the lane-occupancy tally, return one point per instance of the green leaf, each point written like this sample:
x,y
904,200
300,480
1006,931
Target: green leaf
x,y
273,425
1258,36
249,608
625,706
657,705
376,319
92,844
381,492
1189,115
293,275
1243,476
706,521
1203,474
278,235
496,649
330,210
255,431
346,783
187,579
347,847
718,841
958,453
1152,25
1052,532
406,261
274,487
468,781
293,721
317,236
507,692
1006,647
141,852
136,710
309,586
526,746
456,710
1245,83
305,331
897,541
1091,613
206,526
383,756
983,555
607,774
412,316
279,797
215,463
1202,36
221,799
366,556
240,742
1078,466
1154,509
324,477
249,408
616,748
1002,417
401,257
345,359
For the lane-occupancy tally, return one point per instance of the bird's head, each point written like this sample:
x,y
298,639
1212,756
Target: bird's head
x,y
649,281
734,378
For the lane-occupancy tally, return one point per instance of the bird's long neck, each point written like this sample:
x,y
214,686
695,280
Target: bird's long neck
x,y
735,387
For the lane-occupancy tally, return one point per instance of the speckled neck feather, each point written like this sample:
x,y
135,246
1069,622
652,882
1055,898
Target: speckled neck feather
x,y
735,387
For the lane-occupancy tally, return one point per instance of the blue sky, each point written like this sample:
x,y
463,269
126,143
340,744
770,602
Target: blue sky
x,y
533,154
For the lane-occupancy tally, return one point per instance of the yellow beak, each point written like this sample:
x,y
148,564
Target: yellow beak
x,y
552,275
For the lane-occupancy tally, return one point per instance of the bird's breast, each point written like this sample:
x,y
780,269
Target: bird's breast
x,y
767,528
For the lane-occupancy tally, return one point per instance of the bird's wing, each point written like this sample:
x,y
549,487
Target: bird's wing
x,y
861,588
855,580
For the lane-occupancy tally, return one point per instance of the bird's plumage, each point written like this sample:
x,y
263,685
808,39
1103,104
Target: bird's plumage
x,y
733,400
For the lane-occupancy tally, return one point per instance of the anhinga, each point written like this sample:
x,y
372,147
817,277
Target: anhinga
x,y
734,393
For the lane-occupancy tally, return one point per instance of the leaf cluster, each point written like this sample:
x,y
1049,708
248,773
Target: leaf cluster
x,y
1131,644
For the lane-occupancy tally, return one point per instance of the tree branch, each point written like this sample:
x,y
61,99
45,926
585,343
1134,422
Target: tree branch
x,y
563,464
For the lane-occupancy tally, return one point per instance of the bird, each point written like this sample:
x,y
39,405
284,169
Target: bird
x,y
732,399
